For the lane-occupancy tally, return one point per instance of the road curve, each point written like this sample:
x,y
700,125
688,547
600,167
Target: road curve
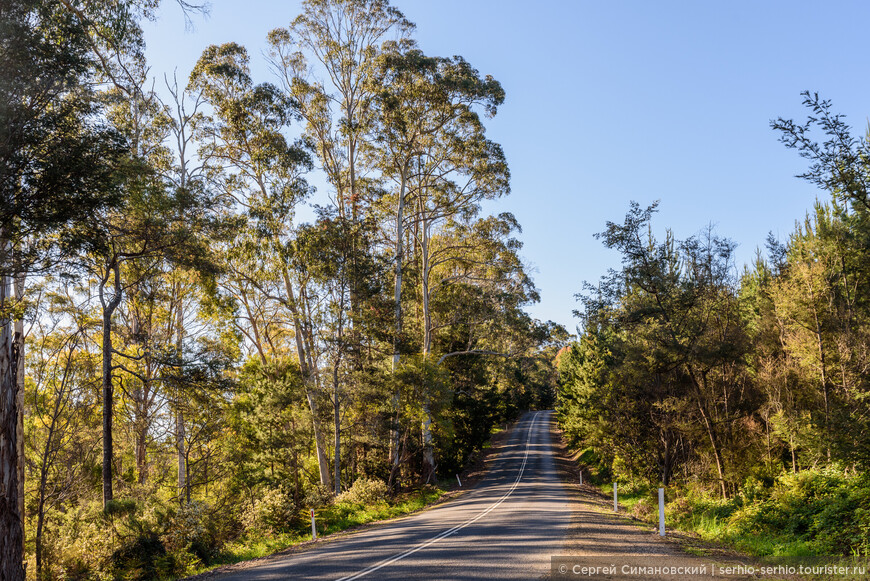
x,y
507,528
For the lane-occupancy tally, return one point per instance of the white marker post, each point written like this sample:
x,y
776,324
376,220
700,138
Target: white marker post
x,y
661,512
615,505
313,527
459,481
581,477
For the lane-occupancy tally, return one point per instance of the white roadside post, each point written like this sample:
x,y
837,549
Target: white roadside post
x,y
615,505
661,512
459,481
581,477
313,527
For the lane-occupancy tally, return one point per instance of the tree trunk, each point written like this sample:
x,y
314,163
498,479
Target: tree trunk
x,y
308,378
47,453
319,444
428,447
336,415
714,444
666,461
181,452
108,388
11,530
19,379
139,395
142,440
824,379
426,425
336,403
716,453
427,315
180,434
40,523
296,485
400,217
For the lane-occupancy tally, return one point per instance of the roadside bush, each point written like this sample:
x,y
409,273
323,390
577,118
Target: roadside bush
x,y
364,491
756,489
827,508
272,513
797,499
680,510
193,535
141,552
318,496
142,557
696,507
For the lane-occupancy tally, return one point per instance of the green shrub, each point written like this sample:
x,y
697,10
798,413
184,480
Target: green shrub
x,y
192,535
120,507
823,512
796,501
273,512
318,496
364,491
142,557
756,489
82,546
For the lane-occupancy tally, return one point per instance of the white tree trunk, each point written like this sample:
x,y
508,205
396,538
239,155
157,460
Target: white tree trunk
x,y
426,425
400,217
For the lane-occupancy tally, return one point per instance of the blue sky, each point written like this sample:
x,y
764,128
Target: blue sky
x,y
613,101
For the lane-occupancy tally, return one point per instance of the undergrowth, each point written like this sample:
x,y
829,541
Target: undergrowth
x,y
808,513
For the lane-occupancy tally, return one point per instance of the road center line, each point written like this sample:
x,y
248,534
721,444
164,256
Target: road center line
x,y
457,528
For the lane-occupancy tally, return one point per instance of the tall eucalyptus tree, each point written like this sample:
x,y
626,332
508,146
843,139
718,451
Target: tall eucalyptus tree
x,y
417,100
325,61
260,172
458,168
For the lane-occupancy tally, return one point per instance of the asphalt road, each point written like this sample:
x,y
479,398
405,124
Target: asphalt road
x,y
506,528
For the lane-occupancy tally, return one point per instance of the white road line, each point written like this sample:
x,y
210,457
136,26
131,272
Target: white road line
x,y
457,528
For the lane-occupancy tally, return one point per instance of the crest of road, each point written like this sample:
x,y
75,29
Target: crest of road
x,y
508,527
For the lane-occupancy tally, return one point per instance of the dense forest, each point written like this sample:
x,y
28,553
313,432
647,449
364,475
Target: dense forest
x,y
183,361
748,386
198,346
